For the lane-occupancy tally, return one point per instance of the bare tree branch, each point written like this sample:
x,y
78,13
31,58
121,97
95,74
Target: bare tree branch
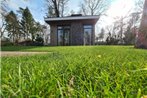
x,y
94,7
56,8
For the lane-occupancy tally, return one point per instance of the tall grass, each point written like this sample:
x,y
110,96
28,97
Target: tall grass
x,y
93,72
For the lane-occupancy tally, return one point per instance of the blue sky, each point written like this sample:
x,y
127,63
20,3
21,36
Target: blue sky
x,y
38,9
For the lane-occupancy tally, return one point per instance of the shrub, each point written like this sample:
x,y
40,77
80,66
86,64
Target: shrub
x,y
6,43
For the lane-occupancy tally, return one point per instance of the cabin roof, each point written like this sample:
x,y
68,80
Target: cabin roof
x,y
71,18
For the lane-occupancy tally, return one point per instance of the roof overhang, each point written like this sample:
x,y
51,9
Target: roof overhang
x,y
71,18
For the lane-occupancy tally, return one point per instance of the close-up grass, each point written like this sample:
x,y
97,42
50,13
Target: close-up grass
x,y
76,71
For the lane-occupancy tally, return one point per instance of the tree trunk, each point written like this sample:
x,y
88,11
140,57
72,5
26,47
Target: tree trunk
x,y
56,8
141,41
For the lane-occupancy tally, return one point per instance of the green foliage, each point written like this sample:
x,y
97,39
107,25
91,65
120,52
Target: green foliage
x,y
12,25
129,37
27,22
6,43
102,33
111,40
39,40
82,71
26,27
51,12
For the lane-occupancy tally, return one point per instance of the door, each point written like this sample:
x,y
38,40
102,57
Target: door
x,y
66,37
87,34
60,37
63,36
87,37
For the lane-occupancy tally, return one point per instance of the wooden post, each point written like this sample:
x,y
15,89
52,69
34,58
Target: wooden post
x,y
141,40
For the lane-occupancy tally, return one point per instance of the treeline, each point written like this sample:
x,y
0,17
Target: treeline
x,y
124,30
118,34
22,26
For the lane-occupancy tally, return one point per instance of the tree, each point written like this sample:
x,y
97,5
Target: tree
x,y
3,27
101,34
56,8
134,19
63,7
5,9
139,5
38,28
136,15
142,34
12,26
27,23
120,25
111,40
129,36
39,40
3,13
34,29
94,7
29,27
72,12
132,25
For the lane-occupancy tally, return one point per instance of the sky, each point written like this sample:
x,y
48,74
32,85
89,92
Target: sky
x,y
118,8
38,9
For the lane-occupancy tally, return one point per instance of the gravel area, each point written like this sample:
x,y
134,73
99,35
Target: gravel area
x,y
17,53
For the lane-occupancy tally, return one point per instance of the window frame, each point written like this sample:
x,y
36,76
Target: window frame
x,y
89,27
63,27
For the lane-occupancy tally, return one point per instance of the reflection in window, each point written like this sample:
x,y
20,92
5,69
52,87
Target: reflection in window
x,y
60,27
60,37
87,26
66,37
87,34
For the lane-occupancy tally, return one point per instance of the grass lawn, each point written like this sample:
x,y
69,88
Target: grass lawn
x,y
80,71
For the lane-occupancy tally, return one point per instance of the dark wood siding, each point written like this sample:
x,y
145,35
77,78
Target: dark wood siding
x,y
76,31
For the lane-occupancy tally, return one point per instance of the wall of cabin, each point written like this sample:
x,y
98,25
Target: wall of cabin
x,y
76,31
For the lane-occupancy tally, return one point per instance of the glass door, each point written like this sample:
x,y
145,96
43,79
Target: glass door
x,y
63,35
87,34
66,37
60,37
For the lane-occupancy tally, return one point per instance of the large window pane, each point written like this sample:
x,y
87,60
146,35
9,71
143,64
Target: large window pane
x,y
63,35
87,26
60,27
87,34
66,37
60,37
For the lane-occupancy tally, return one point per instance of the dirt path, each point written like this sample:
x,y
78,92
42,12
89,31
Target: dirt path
x,y
17,53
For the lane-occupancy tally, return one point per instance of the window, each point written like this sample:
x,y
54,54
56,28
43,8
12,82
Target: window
x,y
60,37
63,35
87,34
